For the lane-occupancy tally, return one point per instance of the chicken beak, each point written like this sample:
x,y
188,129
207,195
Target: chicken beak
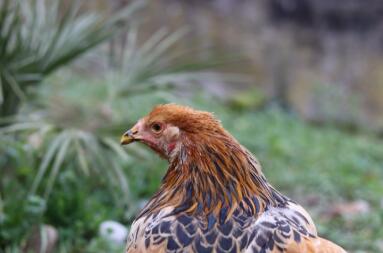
x,y
126,139
128,136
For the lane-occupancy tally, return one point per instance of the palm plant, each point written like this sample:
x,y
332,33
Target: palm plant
x,y
78,120
37,37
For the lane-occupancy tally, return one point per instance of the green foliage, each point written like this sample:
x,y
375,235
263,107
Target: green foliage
x,y
253,98
37,37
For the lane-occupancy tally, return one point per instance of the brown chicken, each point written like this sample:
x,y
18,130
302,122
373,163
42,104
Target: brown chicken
x,y
214,197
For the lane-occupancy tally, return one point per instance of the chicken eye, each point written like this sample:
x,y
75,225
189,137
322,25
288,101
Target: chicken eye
x,y
156,127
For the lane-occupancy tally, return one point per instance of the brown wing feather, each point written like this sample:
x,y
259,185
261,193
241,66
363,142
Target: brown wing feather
x,y
157,249
313,245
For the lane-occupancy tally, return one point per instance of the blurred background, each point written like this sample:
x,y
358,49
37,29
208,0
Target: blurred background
x,y
298,82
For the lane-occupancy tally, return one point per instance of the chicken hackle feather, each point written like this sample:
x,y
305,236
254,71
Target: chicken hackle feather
x,y
213,197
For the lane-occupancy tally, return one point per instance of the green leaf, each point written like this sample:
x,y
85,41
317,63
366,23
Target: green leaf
x,y
61,154
38,36
54,145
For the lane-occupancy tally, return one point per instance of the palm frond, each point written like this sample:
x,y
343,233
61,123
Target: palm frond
x,y
36,38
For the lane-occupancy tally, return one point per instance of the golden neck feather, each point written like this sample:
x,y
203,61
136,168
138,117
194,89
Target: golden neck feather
x,y
214,174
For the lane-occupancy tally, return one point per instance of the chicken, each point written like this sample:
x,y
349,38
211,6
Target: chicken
x,y
213,197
